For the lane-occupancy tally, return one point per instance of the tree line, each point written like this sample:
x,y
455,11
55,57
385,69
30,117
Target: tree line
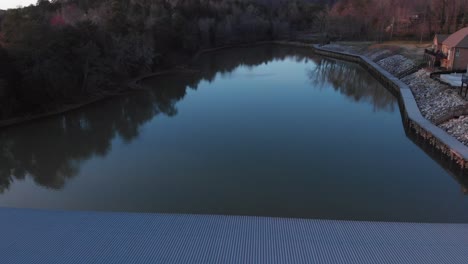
x,y
64,51
61,51
394,19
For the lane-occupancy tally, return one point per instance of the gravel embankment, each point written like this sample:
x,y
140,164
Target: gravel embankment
x,y
378,55
396,64
435,100
457,127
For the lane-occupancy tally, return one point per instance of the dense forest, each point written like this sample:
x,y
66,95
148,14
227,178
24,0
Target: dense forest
x,y
61,51
395,19
64,51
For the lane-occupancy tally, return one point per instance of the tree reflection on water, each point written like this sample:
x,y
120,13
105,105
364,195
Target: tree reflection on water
x,y
351,80
51,151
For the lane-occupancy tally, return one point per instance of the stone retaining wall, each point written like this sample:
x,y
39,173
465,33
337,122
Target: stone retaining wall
x,y
411,115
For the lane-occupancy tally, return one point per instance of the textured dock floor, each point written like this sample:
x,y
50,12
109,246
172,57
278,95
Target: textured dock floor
x,y
37,236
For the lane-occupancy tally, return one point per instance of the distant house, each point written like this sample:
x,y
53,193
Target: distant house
x,y
455,49
434,56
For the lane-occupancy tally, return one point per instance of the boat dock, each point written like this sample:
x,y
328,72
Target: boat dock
x,y
44,236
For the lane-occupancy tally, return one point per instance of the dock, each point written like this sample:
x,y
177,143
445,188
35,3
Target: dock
x,y
44,236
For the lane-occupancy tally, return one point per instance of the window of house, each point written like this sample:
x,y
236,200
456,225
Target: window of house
x,y
457,53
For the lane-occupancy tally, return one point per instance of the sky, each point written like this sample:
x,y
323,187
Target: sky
x,y
5,4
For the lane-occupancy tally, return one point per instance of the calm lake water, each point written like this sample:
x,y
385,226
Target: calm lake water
x,y
266,131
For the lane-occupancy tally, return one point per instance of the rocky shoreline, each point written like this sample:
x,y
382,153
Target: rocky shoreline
x,y
437,102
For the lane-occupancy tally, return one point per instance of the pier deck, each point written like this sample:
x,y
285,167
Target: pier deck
x,y
43,236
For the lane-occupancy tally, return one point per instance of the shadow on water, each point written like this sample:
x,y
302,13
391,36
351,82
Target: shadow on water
x,y
348,79
51,151
450,166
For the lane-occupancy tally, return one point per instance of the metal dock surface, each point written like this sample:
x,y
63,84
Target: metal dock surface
x,y
43,236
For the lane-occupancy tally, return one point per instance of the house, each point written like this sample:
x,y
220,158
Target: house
x,y
434,56
455,48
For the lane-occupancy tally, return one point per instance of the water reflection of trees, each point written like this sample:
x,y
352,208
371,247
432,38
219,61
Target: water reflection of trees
x,y
224,62
352,80
51,151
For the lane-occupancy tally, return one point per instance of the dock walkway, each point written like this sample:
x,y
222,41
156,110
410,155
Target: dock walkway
x,y
43,236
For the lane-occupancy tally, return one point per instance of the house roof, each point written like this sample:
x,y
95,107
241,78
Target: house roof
x,y
441,37
458,39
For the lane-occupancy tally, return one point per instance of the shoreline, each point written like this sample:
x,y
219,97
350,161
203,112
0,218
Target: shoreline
x,y
183,66
412,116
61,110
130,86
